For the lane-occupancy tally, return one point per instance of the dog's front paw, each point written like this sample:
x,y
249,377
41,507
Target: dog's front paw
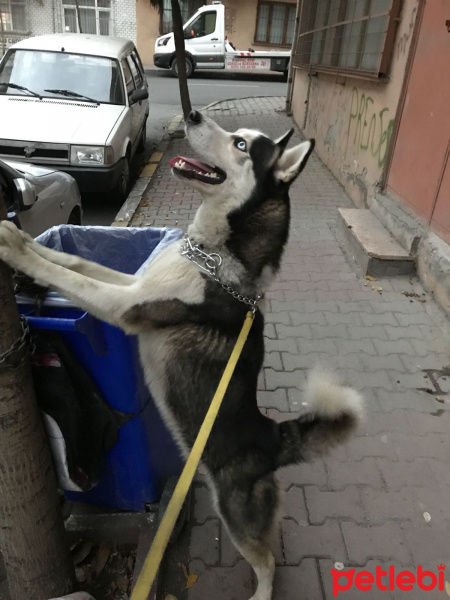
x,y
27,238
12,245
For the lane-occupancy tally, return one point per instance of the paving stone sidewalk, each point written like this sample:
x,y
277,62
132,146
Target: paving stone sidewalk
x,y
384,498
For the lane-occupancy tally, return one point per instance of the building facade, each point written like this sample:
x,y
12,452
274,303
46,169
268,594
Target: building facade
x,y
24,18
369,84
260,24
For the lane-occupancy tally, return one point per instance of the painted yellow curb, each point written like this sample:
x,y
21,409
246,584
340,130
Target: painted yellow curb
x,y
156,157
148,170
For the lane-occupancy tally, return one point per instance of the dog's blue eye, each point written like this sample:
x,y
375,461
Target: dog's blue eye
x,y
241,145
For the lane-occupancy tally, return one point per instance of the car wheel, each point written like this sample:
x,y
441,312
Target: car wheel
x,y
143,140
189,67
74,218
120,192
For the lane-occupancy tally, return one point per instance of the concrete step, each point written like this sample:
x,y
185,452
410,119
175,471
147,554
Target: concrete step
x,y
372,246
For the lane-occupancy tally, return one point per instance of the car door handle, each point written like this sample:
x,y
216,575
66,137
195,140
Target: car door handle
x,y
214,39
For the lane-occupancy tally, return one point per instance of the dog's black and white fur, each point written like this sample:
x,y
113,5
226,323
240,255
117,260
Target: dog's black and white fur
x,y
187,325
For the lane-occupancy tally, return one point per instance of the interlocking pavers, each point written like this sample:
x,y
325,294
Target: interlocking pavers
x,y
363,505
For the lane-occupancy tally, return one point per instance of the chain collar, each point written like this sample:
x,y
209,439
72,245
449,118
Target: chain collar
x,y
209,264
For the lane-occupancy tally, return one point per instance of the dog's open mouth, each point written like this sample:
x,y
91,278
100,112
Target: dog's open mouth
x,y
193,169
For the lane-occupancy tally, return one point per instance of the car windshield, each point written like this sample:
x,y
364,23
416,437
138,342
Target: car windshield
x,y
94,77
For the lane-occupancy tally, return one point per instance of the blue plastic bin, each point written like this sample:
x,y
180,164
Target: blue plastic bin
x,y
145,456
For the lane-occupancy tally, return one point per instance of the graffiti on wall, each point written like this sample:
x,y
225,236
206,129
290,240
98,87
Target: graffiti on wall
x,y
403,40
369,129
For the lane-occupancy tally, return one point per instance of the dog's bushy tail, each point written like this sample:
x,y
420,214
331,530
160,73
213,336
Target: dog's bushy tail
x,y
335,412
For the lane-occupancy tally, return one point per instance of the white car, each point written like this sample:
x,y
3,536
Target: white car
x,y
78,103
40,197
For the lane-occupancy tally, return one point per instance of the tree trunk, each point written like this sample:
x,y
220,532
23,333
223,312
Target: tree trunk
x,y
32,537
180,54
77,8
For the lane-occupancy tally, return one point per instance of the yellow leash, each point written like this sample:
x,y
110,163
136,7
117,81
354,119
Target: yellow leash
x,y
155,555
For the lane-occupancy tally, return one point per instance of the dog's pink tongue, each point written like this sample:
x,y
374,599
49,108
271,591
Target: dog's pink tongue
x,y
191,162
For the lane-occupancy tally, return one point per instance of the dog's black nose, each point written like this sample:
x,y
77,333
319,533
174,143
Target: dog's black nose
x,y
195,116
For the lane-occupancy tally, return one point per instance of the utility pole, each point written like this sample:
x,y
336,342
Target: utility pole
x,y
180,54
32,536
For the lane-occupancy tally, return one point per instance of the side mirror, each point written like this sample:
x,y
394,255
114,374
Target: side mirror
x,y
188,34
25,193
138,96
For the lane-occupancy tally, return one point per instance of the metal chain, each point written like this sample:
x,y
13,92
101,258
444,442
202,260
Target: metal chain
x,y
253,302
15,355
209,263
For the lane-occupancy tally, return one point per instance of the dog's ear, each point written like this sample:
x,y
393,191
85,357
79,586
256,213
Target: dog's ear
x,y
282,142
291,162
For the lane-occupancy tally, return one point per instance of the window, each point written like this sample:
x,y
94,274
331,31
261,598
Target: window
x,y
204,24
188,8
138,80
93,76
140,69
353,36
12,15
95,16
275,23
129,82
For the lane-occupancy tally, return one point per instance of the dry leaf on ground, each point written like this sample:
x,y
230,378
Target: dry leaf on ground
x,y
190,579
103,555
369,278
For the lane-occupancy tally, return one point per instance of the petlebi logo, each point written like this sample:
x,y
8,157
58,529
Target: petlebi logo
x,y
389,579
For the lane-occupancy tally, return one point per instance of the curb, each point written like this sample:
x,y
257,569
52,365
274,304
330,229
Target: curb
x,y
208,106
130,206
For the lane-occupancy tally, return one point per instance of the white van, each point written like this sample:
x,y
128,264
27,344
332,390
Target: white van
x,y
76,102
207,47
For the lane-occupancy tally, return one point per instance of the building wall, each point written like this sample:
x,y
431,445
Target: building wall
x,y
46,16
43,17
147,30
124,19
240,26
352,119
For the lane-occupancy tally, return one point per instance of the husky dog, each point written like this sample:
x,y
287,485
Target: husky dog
x,y
187,322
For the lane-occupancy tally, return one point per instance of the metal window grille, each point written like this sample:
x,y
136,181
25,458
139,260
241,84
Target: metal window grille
x,y
13,15
275,23
348,36
95,16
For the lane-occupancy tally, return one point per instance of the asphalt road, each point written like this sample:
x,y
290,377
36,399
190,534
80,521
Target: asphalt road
x,y
205,87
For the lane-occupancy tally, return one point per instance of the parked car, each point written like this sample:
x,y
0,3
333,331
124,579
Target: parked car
x,y
78,103
41,197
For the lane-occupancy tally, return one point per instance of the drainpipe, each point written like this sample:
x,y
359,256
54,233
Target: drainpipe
x,y
290,87
402,99
2,31
78,16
